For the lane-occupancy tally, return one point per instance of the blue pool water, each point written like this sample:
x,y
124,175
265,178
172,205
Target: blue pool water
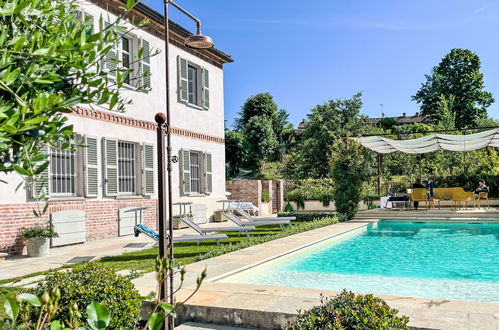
x,y
436,260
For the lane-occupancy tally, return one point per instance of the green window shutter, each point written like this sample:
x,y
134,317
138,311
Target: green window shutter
x,y
42,180
89,19
145,64
208,173
182,80
205,90
148,169
111,58
90,158
185,170
110,153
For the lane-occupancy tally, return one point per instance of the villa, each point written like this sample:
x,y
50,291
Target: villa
x,y
117,170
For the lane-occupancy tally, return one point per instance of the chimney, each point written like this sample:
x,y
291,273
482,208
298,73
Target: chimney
x,y
403,114
417,114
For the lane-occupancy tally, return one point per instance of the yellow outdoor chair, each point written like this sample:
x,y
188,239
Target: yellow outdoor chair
x,y
482,196
419,195
459,196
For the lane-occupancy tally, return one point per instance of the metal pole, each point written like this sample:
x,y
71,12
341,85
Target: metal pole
x,y
170,322
160,119
379,173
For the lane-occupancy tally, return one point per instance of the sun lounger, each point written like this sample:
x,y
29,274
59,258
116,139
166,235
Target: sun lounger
x,y
232,217
141,228
203,231
250,218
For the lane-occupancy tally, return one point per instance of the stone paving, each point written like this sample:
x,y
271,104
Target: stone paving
x,y
260,306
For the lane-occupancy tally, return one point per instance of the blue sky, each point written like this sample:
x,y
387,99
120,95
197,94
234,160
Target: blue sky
x,y
307,52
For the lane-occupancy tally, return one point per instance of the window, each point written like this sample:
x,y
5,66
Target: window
x,y
196,172
61,178
193,84
126,168
62,173
124,56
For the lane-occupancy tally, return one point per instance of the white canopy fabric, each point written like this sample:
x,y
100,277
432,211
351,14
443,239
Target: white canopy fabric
x,y
432,143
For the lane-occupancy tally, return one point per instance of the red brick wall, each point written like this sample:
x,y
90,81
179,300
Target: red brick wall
x,y
101,218
247,190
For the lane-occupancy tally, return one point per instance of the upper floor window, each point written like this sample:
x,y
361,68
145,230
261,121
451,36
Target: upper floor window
x,y
122,56
193,84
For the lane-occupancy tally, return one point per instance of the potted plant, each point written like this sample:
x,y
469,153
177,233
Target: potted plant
x,y
37,239
218,216
177,222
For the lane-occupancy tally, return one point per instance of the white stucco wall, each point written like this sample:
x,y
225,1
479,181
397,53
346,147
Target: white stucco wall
x,y
144,107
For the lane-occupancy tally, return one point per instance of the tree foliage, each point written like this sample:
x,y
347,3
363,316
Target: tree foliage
x,y
260,141
457,75
351,167
234,151
51,60
338,118
266,131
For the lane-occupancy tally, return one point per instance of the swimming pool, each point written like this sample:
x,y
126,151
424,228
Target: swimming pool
x,y
442,260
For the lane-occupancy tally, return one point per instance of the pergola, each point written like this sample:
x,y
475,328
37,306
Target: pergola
x,y
430,143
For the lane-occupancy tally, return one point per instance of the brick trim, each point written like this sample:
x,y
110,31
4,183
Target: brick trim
x,y
114,118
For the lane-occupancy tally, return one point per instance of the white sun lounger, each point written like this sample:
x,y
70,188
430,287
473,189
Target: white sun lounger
x,y
250,218
203,231
141,228
232,217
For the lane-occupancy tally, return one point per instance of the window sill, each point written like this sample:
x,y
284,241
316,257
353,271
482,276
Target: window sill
x,y
131,197
194,106
197,195
66,199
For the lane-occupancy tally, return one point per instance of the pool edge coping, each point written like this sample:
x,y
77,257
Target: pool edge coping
x,y
282,254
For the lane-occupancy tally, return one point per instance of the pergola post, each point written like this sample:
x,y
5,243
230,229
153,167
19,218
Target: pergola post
x,y
378,158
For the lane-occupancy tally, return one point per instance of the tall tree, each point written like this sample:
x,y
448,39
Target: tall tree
x,y
51,61
457,75
338,118
260,141
234,152
351,167
261,104
276,132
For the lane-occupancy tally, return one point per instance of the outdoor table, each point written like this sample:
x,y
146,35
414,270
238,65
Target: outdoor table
x,y
226,201
137,211
183,205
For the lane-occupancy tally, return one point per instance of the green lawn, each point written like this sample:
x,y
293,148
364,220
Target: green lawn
x,y
189,252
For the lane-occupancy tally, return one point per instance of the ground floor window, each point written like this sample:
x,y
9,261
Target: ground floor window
x,y
62,172
196,172
126,168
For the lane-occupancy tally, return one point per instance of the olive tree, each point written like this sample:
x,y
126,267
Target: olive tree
x,y
51,59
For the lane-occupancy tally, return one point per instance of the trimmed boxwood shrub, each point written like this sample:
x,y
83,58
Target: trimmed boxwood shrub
x,y
350,311
311,216
94,282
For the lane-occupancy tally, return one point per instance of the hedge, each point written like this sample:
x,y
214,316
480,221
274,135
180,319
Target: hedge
x,y
311,216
